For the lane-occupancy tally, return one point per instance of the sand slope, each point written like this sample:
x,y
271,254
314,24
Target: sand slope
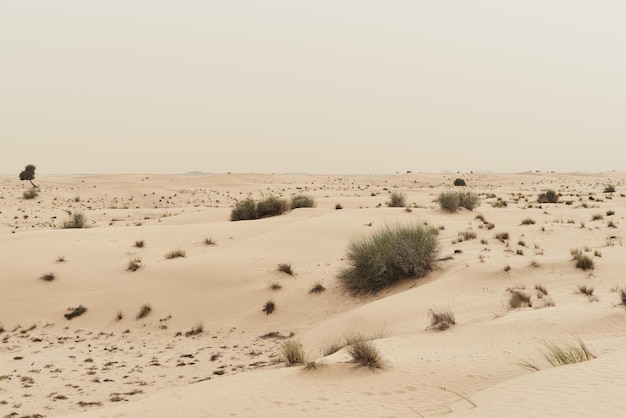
x,y
99,365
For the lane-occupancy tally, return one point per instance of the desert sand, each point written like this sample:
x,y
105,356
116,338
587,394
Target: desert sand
x,y
107,363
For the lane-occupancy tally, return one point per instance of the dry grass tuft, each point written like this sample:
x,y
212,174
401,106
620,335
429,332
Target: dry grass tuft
x,y
559,355
364,353
175,254
143,311
442,319
292,352
285,268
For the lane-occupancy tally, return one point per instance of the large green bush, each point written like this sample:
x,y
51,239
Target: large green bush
x,y
388,256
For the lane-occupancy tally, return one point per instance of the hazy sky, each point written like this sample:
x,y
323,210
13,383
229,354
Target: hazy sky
x,y
324,86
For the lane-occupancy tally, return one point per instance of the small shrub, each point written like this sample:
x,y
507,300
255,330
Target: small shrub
x,y
244,210
502,236
507,268
47,277
528,221
30,194
441,320
195,330
519,251
622,296
119,315
292,352
609,188
143,311
610,212
318,287
597,217
559,355
302,201
61,259
389,255
77,220
585,290
584,262
449,201
271,206
275,286
269,306
397,200
611,224
140,243
365,353
338,206
134,265
74,312
285,268
521,243
459,182
519,299
549,196
467,235
175,254
499,203
209,241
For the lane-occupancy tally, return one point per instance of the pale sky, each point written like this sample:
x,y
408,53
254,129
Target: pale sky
x,y
324,86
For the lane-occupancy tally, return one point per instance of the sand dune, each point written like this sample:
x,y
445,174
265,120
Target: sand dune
x,y
106,363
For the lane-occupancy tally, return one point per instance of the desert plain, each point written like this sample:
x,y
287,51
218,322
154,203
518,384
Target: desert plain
x,y
206,347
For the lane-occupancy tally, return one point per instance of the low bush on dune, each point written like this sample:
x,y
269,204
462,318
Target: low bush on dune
x,y
143,311
459,182
364,353
244,210
74,312
285,268
452,201
302,201
269,306
77,220
441,319
292,352
549,196
176,254
271,206
397,200
468,200
388,256
559,355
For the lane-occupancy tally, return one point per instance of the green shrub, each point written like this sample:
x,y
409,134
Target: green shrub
x,y
271,206
302,201
549,196
269,307
244,210
459,182
449,201
77,220
30,194
389,255
397,200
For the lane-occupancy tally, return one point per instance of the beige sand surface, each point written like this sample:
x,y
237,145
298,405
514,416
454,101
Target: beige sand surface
x,y
97,365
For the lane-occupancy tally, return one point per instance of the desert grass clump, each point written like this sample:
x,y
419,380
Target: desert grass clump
x,y
397,200
74,312
519,299
502,236
175,254
119,315
143,311
30,194
271,206
597,217
338,206
610,212
585,290
468,200
61,259
364,353
389,255
609,188
292,352
209,241
77,220
467,235
449,201
559,355
302,201
276,286
318,287
622,296
549,196
140,243
134,265
269,307
584,262
195,330
285,268
459,182
47,277
442,319
244,210
528,221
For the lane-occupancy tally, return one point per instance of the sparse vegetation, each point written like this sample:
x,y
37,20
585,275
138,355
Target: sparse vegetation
x,y
559,355
609,188
397,200
519,299
74,312
134,265
209,241
275,286
364,353
47,277
584,262
195,330
77,220
292,352
451,201
389,255
143,311
285,268
318,287
441,319
30,194
61,259
585,289
528,221
175,254
459,182
271,206
244,210
549,196
269,307
502,236
467,235
597,217
140,243
302,201
338,206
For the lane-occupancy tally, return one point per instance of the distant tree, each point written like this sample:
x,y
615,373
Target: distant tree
x,y
28,174
459,182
